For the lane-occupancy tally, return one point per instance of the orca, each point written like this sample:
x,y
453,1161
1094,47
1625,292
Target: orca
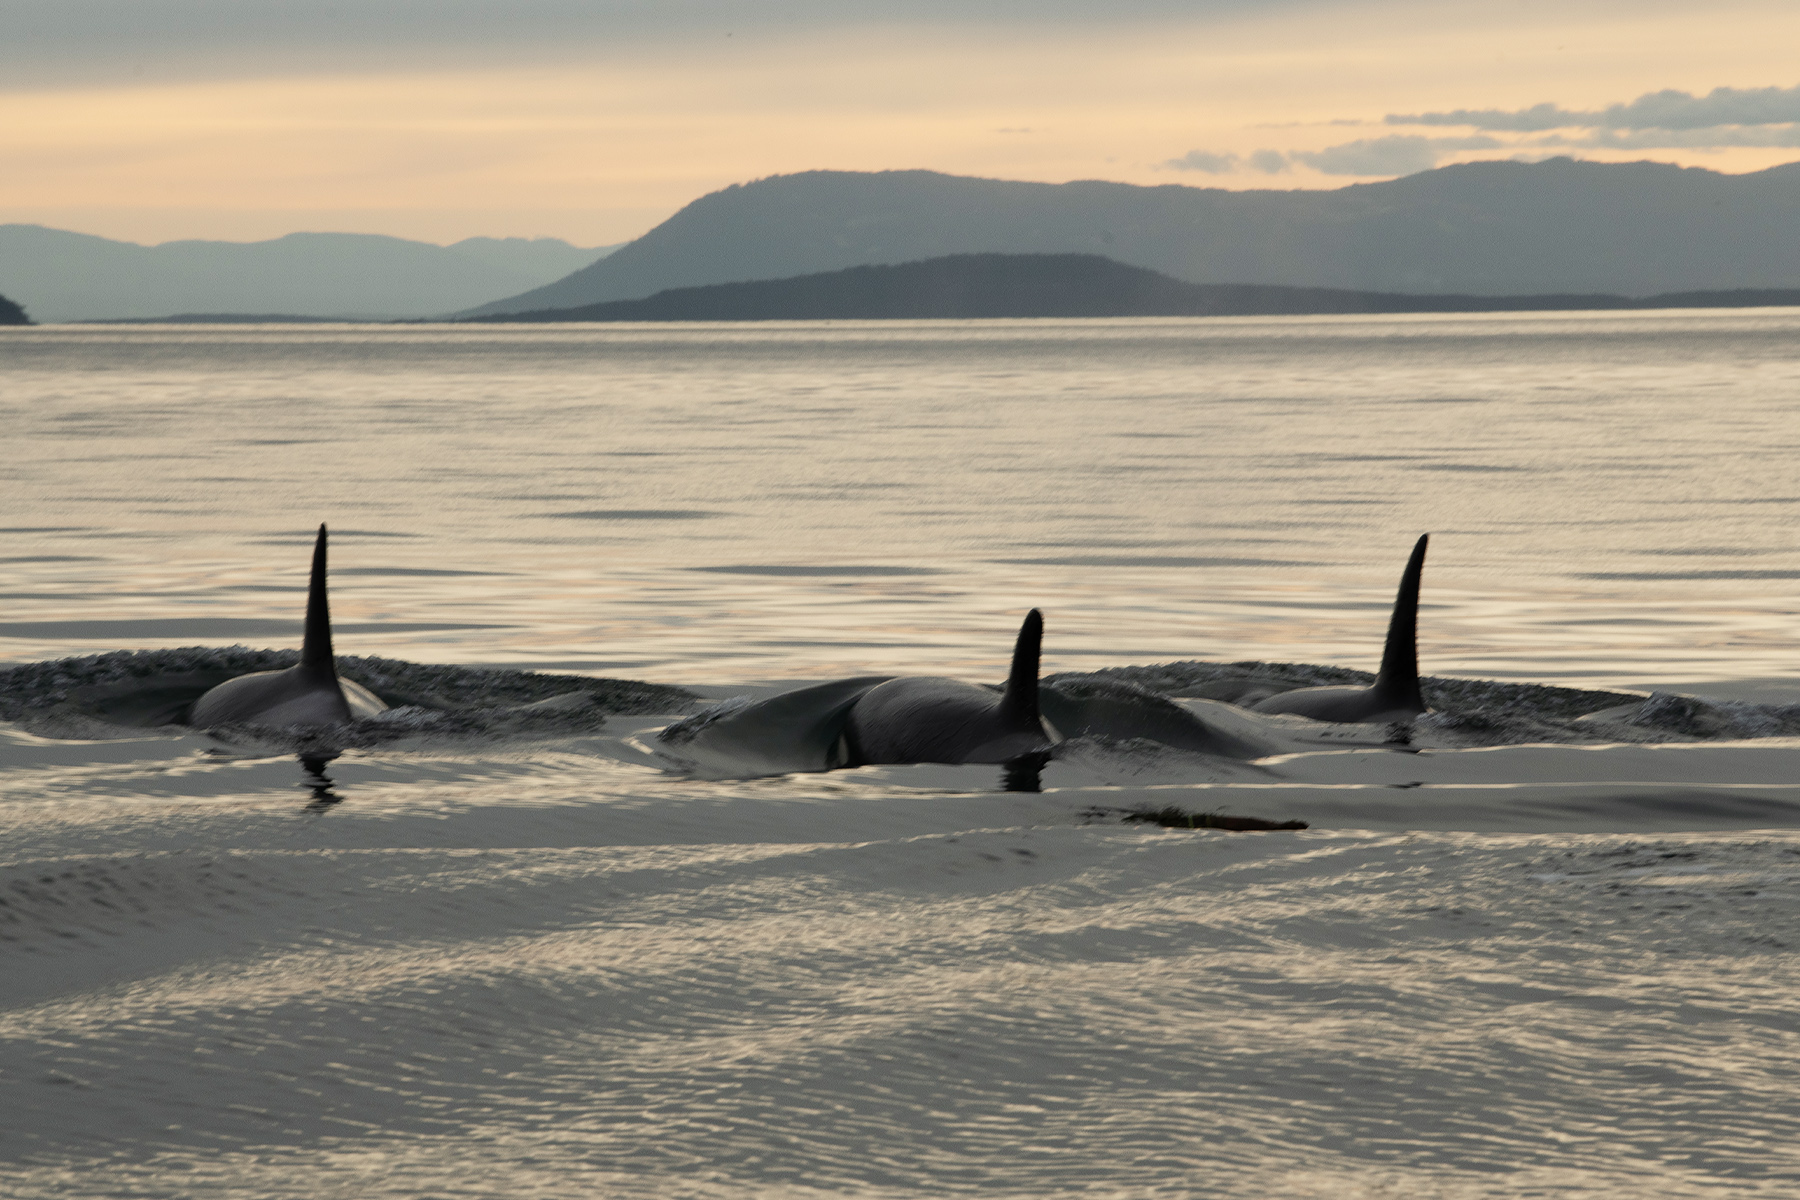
x,y
1395,694
930,719
887,719
739,738
869,720
1094,706
309,694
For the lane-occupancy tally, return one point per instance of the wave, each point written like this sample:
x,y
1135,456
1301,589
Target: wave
x,y
99,695
1485,712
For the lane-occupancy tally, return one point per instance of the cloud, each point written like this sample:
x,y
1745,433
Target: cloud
x,y
1537,117
1666,120
1204,160
1721,106
1396,154
1667,109
1269,162
1679,139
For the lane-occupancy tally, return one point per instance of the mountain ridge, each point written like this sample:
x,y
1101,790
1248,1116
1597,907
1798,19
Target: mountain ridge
x,y
60,275
1488,228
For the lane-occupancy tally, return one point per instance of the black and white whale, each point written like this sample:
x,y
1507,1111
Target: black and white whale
x,y
869,720
883,719
932,719
309,694
1395,694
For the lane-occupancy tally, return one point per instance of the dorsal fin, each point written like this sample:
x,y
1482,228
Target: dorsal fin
x,y
1398,680
316,658
1019,701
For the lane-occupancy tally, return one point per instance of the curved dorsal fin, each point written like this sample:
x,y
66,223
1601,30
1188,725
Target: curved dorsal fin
x,y
1398,680
1019,701
316,658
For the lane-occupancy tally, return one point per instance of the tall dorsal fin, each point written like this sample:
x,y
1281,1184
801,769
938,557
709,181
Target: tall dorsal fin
x,y
1019,701
316,658
1398,680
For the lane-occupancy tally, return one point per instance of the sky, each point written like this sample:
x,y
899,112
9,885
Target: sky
x,y
593,120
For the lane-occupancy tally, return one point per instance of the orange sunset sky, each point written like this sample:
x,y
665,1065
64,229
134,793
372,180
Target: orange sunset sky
x,y
152,120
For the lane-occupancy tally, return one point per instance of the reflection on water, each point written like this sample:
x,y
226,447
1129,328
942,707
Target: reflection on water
x,y
318,782
1024,773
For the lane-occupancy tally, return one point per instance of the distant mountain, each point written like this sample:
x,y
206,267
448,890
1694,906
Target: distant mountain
x,y
1058,285
62,276
222,319
11,313
1492,228
546,258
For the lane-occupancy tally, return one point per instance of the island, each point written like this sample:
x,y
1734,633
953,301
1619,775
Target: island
x,y
964,286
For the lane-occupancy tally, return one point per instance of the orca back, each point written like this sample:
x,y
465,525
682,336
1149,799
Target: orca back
x,y
924,718
309,693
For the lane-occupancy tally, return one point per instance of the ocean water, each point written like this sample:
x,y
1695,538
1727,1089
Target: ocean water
x,y
512,966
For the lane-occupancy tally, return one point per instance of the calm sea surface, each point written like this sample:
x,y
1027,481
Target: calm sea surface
x,y
1613,499
550,969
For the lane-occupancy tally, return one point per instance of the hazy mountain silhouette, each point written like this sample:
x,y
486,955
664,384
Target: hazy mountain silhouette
x,y
543,257
232,318
1492,228
62,276
1057,285
11,313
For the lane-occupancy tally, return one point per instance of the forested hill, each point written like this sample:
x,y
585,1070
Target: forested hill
x,y
1057,285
